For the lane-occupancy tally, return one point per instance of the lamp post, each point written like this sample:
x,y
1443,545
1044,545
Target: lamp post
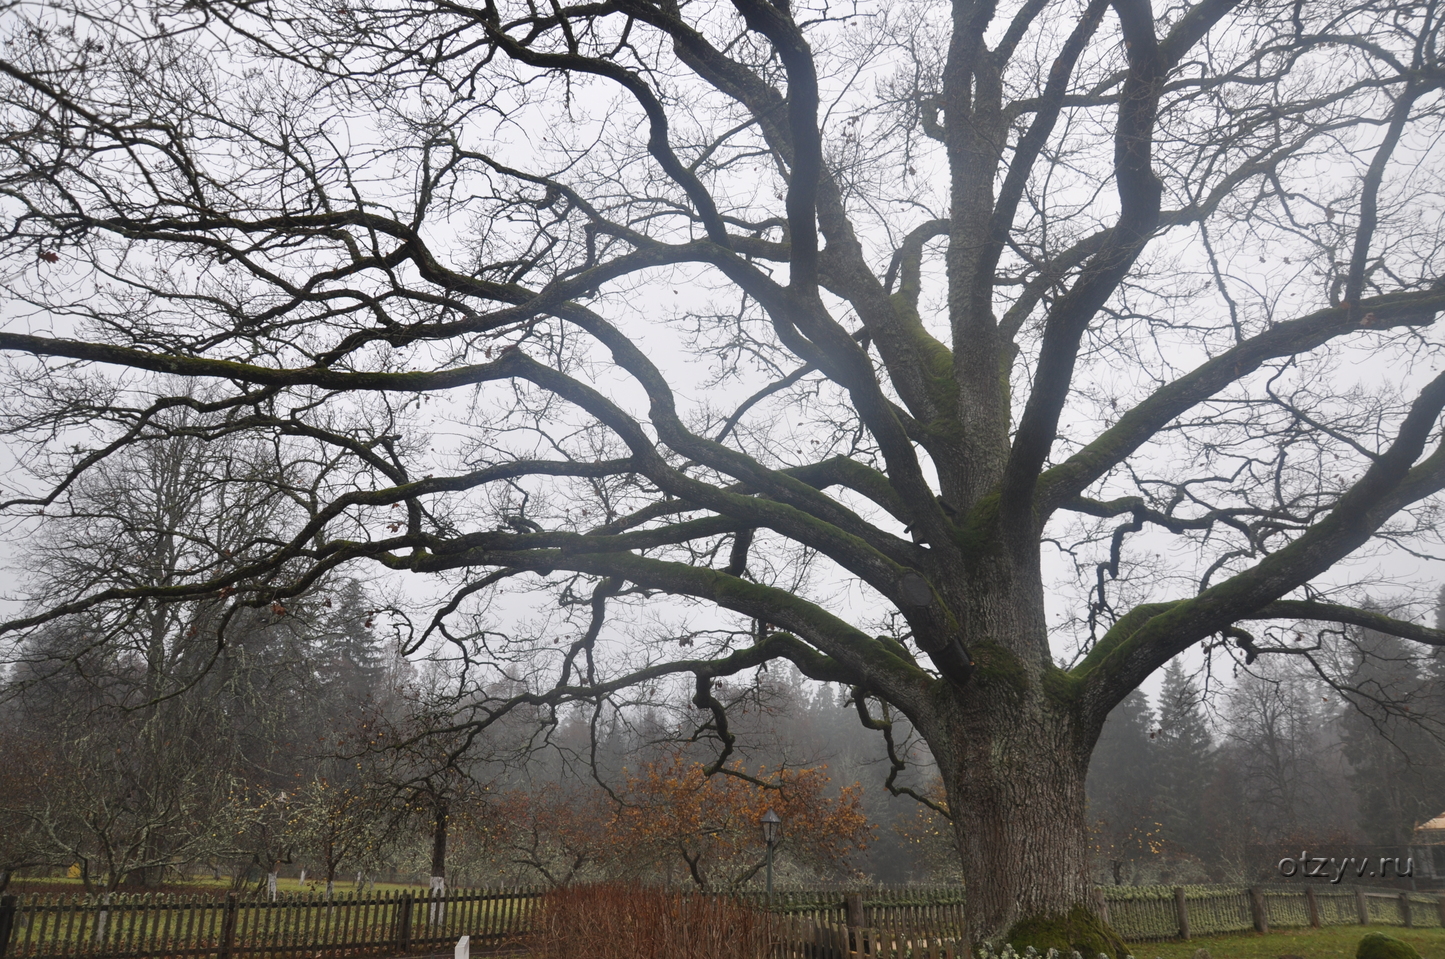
x,y
772,833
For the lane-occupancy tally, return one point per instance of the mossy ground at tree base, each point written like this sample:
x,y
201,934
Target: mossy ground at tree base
x,y
1377,945
1333,942
1080,930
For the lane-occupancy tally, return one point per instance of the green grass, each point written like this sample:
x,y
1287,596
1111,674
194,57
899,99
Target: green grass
x,y
1328,943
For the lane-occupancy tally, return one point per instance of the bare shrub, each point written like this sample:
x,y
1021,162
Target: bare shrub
x,y
632,921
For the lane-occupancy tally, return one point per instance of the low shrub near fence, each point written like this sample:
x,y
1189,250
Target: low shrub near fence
x,y
631,921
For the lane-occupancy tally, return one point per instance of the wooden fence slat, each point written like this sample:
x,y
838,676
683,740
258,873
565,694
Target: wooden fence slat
x,y
360,911
50,926
7,923
30,926
266,927
175,920
303,930
248,915
129,920
137,926
329,917
152,925
112,930
240,921
276,928
227,938
64,925
198,930
341,918
346,919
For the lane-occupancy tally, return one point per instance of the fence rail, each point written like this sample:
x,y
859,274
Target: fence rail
x,y
936,906
807,939
87,927
922,921
1160,912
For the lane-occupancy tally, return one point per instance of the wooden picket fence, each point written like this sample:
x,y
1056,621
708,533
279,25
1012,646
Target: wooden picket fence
x,y
934,907
810,939
130,927
1143,913
917,922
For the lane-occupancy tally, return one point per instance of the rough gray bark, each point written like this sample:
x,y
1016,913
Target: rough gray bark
x,y
1015,768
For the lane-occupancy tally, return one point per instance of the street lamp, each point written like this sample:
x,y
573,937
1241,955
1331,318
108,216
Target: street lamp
x,y
772,833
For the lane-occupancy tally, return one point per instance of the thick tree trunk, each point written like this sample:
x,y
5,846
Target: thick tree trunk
x,y
1013,752
1015,784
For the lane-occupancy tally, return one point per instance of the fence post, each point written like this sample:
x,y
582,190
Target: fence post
x,y
403,923
853,905
1440,906
1362,908
1181,909
1313,905
1101,905
1405,909
228,928
1257,910
7,922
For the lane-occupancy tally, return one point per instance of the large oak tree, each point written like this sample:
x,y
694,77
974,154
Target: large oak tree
x,y
837,319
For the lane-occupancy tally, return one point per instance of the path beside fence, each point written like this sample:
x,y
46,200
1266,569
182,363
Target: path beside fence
x,y
811,923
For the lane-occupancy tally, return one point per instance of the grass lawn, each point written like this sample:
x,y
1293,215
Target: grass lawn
x,y
1332,941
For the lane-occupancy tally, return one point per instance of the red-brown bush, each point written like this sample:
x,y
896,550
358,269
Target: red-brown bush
x,y
633,921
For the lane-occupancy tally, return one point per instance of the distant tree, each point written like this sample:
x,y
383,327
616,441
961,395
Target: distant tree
x,y
1183,761
429,769
929,839
151,708
349,655
1278,736
673,809
108,794
108,777
551,831
341,821
1226,827
1121,787
22,780
1391,736
262,834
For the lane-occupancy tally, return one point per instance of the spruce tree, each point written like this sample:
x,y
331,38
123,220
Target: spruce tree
x,y
351,661
1391,736
1184,762
1121,787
